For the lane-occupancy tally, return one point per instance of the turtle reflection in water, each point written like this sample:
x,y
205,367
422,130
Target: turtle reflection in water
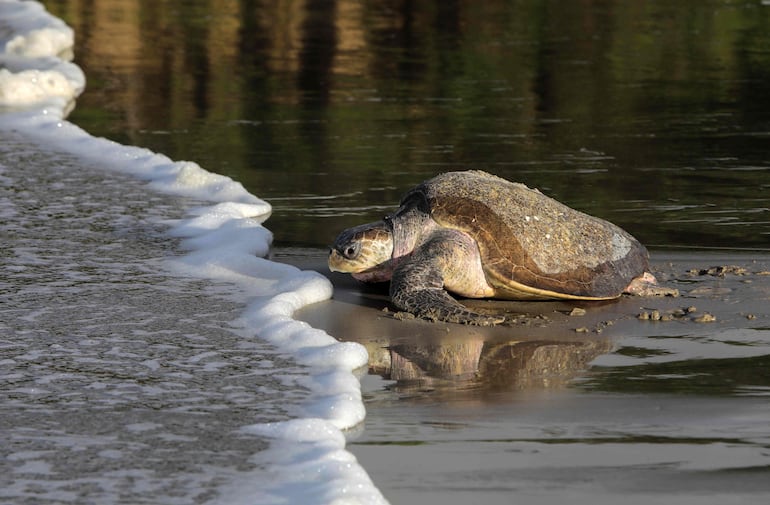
x,y
479,236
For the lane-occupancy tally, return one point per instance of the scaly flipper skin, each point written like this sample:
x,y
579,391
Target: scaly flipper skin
x,y
418,285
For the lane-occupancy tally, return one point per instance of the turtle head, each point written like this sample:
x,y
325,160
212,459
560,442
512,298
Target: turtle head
x,y
364,251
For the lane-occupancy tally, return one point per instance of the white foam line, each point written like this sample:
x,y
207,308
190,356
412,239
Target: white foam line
x,y
307,462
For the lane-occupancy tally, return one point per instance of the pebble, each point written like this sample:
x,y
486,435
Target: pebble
x,y
404,316
720,271
655,315
705,318
577,311
650,316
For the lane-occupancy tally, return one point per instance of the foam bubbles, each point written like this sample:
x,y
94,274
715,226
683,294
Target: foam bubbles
x,y
42,42
33,33
33,86
332,475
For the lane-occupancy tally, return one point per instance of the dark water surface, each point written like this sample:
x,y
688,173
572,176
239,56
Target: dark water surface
x,y
652,114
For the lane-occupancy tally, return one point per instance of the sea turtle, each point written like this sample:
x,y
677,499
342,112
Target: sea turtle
x,y
480,236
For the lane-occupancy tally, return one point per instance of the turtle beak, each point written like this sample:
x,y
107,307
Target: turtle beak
x,y
335,260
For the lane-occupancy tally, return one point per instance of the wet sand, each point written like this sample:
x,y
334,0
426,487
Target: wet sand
x,y
563,403
717,291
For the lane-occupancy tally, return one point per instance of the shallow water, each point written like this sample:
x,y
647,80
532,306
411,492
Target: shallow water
x,y
545,446
653,115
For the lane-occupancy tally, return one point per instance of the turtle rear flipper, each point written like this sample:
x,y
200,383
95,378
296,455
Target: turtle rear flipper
x,y
447,259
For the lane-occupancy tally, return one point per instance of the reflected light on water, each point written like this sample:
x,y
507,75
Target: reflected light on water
x,y
302,97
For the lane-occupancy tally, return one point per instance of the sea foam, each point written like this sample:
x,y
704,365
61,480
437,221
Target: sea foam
x,y
224,241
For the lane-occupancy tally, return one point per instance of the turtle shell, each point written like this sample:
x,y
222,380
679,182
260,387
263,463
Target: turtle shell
x,y
531,245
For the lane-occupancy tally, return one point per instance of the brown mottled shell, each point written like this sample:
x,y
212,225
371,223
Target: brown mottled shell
x,y
531,245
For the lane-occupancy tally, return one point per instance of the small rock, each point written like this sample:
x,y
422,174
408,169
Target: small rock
x,y
705,318
403,316
644,316
691,309
721,271
750,317
577,311
655,315
582,329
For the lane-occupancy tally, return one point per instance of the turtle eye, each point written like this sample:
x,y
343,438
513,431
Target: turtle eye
x,y
351,250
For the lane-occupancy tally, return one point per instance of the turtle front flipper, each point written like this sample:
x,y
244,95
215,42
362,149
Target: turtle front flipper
x,y
448,259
